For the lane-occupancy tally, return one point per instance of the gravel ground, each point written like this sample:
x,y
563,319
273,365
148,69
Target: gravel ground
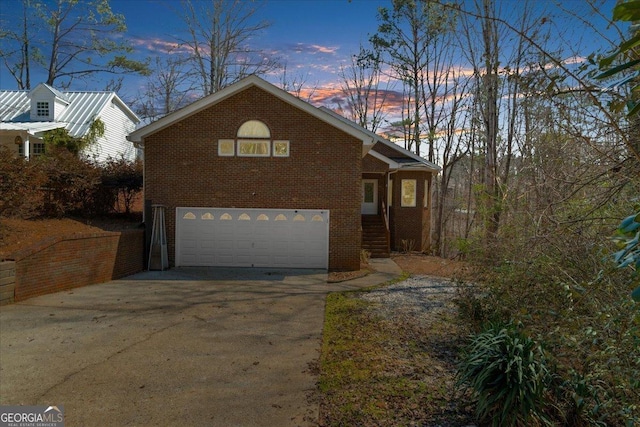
x,y
424,299
424,311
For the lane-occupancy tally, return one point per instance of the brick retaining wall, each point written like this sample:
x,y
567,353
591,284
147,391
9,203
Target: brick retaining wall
x,y
7,281
81,259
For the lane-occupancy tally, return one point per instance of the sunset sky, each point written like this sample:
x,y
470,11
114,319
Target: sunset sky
x,y
314,38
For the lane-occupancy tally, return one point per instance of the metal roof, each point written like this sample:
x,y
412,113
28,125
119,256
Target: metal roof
x,y
13,103
77,117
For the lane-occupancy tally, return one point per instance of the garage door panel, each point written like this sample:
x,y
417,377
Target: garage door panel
x,y
244,245
314,247
189,243
208,243
225,242
260,245
262,261
252,237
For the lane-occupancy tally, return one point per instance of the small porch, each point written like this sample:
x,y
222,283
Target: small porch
x,y
25,139
396,200
376,234
395,212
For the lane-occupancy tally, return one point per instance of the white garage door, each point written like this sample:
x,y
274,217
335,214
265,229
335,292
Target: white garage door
x,y
252,237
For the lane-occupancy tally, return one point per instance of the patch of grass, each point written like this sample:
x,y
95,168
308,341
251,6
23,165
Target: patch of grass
x,y
378,372
344,361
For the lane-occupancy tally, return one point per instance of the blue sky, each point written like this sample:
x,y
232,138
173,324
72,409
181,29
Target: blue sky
x,y
313,34
312,37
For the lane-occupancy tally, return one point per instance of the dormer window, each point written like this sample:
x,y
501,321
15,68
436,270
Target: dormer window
x,y
47,103
42,109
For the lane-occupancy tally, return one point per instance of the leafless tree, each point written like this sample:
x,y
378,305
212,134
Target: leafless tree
x,y
15,49
297,85
220,33
405,36
365,90
453,149
498,93
167,89
69,39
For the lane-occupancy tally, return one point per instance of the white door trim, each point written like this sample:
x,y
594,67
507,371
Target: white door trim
x,y
369,200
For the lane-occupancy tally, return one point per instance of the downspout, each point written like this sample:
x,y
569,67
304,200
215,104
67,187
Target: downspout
x,y
146,207
140,146
389,186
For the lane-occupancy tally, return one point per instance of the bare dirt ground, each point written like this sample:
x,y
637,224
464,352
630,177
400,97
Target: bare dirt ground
x,y
416,263
412,263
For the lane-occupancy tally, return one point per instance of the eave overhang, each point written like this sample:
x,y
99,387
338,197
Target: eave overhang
x,y
32,128
138,136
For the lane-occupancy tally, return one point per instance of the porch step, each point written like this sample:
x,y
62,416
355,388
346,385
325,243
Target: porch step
x,y
374,236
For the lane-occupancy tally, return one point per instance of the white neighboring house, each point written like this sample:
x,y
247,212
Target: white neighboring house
x,y
26,115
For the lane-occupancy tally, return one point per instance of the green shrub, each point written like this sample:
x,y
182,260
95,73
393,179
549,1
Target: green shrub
x,y
629,254
507,373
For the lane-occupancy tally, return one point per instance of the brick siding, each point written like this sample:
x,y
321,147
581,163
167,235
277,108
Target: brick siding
x,y
410,223
371,164
82,259
323,171
7,281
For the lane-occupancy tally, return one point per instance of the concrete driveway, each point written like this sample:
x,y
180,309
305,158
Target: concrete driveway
x,y
189,346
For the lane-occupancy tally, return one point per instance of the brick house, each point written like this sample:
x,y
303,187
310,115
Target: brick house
x,y
253,176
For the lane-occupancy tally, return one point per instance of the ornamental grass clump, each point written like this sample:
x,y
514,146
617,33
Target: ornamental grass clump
x,y
506,371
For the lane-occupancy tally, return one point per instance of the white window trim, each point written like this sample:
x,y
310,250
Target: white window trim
x,y
253,141
275,154
402,193
42,106
227,141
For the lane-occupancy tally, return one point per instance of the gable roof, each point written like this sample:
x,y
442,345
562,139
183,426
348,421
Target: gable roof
x,y
83,107
405,159
138,135
56,93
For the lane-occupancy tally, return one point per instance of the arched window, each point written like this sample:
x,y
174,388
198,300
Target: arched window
x,y
254,129
253,139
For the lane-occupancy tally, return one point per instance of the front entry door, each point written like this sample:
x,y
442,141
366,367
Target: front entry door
x,y
369,197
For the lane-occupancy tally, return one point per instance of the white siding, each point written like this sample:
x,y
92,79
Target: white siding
x,y
58,108
83,108
114,144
